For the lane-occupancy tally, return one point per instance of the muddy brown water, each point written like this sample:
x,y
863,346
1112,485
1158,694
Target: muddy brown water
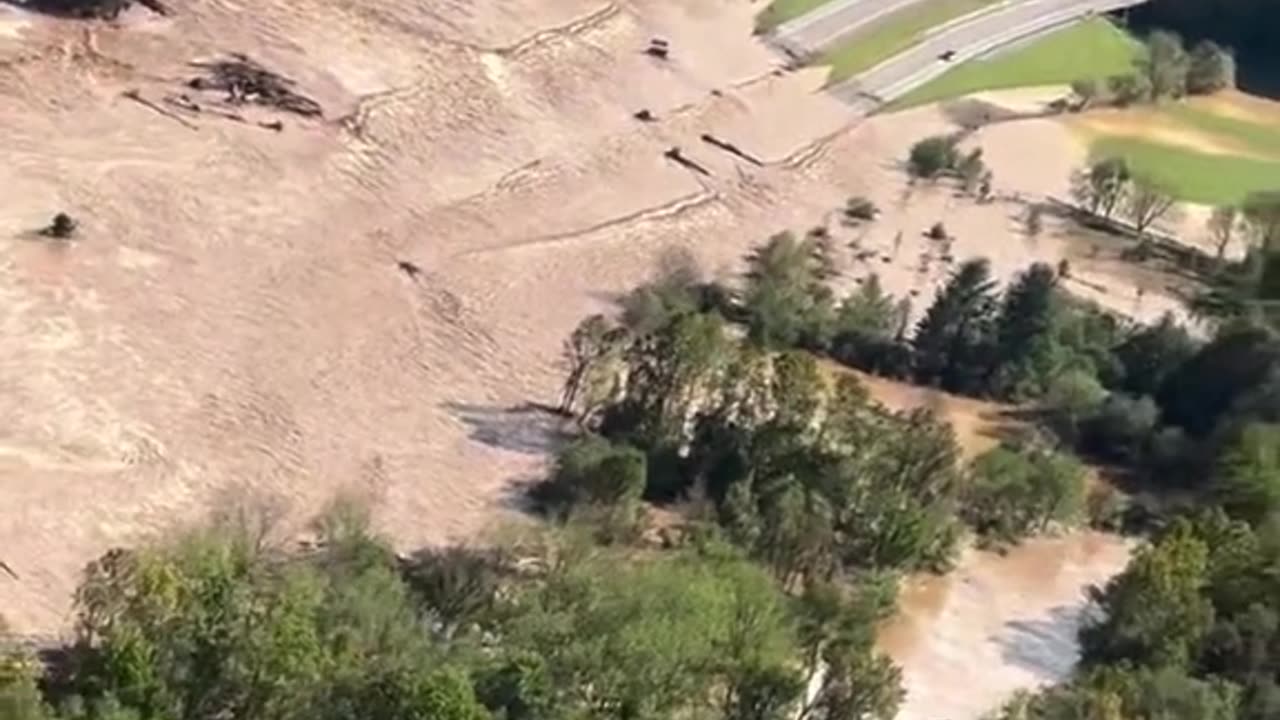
x,y
997,623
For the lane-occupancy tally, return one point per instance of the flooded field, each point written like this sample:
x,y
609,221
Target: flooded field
x,y
995,624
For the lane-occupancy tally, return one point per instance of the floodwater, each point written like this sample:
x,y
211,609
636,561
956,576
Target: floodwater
x,y
995,624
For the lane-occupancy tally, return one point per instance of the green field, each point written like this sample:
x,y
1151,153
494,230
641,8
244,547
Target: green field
x,y
1260,138
893,34
780,11
1091,49
1193,176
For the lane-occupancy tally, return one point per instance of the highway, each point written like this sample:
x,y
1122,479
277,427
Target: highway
x,y
969,37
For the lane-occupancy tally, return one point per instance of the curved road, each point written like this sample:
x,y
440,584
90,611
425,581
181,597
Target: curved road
x,y
968,37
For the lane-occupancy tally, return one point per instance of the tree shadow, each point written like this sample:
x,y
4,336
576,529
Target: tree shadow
x,y
84,9
529,428
1045,646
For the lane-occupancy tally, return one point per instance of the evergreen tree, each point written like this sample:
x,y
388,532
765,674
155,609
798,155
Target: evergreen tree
x,y
952,340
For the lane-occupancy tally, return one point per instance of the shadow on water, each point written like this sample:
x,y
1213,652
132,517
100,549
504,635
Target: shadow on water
x,y
1044,646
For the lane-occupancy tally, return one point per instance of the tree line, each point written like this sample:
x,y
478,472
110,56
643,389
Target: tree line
x,y
547,625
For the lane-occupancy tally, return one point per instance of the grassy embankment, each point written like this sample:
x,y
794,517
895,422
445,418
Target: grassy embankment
x,y
780,11
893,34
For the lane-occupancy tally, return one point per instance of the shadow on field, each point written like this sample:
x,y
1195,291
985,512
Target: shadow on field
x,y
531,428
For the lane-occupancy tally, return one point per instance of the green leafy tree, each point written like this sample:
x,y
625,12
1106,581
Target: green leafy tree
x,y
1165,65
1014,492
932,157
786,298
1154,613
1247,477
1211,68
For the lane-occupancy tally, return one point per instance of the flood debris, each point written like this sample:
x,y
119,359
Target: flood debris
x,y
409,268
675,155
137,97
246,82
731,149
93,9
644,116
658,48
62,227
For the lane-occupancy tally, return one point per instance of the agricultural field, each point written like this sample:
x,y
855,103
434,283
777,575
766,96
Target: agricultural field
x,y
1212,150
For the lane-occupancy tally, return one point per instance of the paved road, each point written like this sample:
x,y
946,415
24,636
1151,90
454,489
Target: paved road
x,y
815,31
969,38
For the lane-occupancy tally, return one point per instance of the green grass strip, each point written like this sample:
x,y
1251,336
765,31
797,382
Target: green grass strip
x,y
1193,176
1091,49
780,11
893,34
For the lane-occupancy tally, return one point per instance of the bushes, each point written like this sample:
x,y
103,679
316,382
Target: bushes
x,y
1016,491
932,156
592,471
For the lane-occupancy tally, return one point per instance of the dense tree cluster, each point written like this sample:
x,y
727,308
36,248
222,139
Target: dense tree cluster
x,y
1164,70
222,625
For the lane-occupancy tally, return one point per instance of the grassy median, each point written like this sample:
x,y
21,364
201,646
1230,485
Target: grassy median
x,y
780,11
892,34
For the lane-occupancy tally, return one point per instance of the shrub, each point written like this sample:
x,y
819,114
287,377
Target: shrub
x,y
1212,68
932,156
938,232
860,208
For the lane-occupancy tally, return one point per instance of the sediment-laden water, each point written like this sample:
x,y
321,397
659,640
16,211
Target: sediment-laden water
x,y
996,623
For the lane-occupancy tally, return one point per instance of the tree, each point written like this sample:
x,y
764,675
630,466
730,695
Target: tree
x,y
1165,65
868,312
593,347
1129,88
786,299
1151,354
971,170
952,338
1153,614
1087,91
1219,376
1261,210
1222,224
650,638
1101,187
1026,322
1071,398
1016,491
1147,202
932,157
1247,476
592,471
1210,69
1122,427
